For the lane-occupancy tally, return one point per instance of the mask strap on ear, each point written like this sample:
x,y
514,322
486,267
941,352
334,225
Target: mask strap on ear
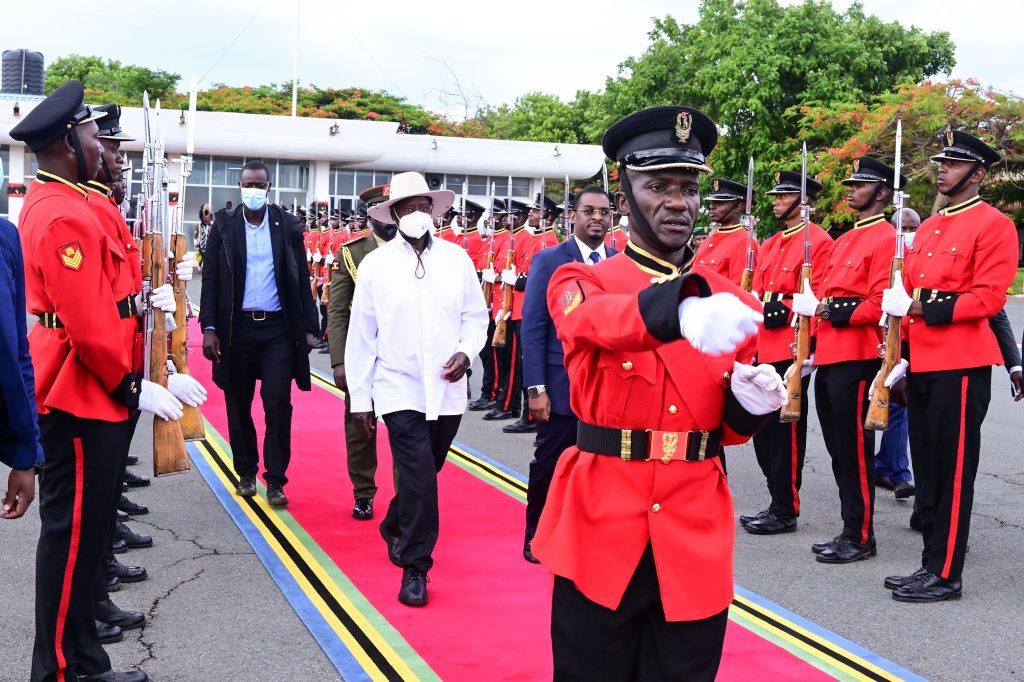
x,y
635,215
79,155
963,181
789,211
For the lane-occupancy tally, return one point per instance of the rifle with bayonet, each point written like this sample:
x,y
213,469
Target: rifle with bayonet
x,y
463,221
566,227
749,222
169,455
604,182
802,323
488,287
877,418
191,421
542,207
500,324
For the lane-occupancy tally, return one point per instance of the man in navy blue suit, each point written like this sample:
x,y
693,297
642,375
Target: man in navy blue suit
x,y
543,360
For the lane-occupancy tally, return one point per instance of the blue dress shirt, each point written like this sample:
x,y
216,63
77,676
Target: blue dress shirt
x,y
260,286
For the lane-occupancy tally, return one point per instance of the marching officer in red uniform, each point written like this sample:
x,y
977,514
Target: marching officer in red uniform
x,y
962,261
546,236
638,526
780,446
486,265
80,285
848,338
725,251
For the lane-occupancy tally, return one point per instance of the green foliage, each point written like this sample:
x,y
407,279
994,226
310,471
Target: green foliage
x,y
123,83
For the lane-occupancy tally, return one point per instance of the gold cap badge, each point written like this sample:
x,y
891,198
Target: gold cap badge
x,y
778,177
683,124
856,165
715,184
949,138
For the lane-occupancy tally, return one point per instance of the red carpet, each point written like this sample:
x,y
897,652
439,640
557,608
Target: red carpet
x,y
488,615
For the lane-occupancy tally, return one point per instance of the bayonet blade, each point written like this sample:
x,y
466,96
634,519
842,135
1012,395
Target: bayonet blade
x,y
899,155
803,175
750,186
190,143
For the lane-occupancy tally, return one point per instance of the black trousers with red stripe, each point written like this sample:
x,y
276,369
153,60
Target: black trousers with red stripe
x,y
77,496
780,449
510,370
945,411
489,382
841,398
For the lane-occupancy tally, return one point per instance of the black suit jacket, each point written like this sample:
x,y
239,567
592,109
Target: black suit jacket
x,y
224,265
1000,325
543,354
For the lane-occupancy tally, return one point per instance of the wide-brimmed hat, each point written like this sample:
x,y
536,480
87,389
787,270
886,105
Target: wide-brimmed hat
x,y
412,184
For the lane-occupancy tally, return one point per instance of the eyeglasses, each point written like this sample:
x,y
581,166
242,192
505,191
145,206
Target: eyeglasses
x,y
588,211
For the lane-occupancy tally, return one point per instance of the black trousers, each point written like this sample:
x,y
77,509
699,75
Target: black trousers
x,y
323,312
264,351
489,382
77,497
633,643
945,411
108,555
553,438
419,448
841,398
510,370
780,449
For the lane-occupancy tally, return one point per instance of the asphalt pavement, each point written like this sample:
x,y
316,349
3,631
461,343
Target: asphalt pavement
x,y
215,613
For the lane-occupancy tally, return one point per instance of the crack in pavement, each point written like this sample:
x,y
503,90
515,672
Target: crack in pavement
x,y
1002,524
151,616
1003,478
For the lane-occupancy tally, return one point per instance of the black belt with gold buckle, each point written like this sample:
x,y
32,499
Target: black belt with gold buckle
x,y
125,309
648,445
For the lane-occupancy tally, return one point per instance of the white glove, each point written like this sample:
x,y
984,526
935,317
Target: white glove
x,y
317,258
508,276
805,303
895,300
183,270
169,324
329,260
186,389
897,373
163,298
759,390
158,400
309,256
805,371
756,295
718,323
488,275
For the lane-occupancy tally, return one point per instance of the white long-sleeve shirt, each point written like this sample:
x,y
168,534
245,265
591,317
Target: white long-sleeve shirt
x,y
404,329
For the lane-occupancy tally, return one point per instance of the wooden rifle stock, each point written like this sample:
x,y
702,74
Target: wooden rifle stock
x,y
500,325
169,456
192,421
802,351
747,280
877,418
487,287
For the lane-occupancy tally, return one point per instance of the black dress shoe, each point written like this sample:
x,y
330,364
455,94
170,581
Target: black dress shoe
x,y
747,518
392,543
894,582
111,676
109,613
497,414
904,489
414,587
846,551
132,539
276,496
131,508
108,634
134,480
481,404
121,516
521,425
928,588
113,583
772,524
884,482
246,487
133,460
363,510
536,442
528,551
123,573
819,547
118,546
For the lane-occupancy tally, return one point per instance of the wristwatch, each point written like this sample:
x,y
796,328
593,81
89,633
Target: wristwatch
x,y
826,314
534,391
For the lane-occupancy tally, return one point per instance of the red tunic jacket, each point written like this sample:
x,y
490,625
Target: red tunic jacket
x,y
858,272
961,264
725,252
777,273
75,269
630,369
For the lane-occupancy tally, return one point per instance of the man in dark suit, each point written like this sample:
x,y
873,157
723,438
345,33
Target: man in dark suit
x,y
543,360
259,322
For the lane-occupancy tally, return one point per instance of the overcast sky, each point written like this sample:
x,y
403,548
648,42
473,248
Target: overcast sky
x,y
408,47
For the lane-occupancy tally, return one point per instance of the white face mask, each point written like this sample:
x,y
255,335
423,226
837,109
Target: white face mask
x,y
254,198
415,225
908,238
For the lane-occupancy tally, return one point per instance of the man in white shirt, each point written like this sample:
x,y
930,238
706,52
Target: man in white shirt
x,y
418,316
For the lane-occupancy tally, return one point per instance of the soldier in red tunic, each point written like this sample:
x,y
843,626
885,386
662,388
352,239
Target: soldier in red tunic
x,y
780,446
80,285
725,251
848,337
962,261
638,525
